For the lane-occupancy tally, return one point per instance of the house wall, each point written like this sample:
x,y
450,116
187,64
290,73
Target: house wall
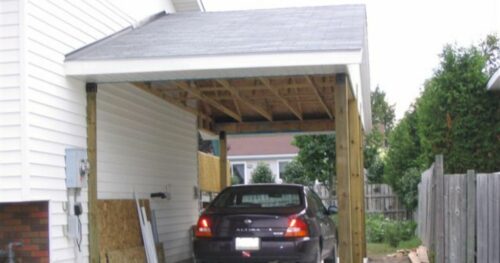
x,y
10,102
146,145
251,163
42,112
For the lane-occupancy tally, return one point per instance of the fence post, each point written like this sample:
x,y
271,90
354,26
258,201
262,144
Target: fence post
x,y
438,223
471,217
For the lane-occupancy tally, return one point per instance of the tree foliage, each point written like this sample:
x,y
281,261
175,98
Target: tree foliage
x,y
296,174
317,157
376,141
455,116
262,174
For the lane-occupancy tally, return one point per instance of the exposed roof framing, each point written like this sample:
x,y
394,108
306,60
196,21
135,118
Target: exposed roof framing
x,y
276,93
320,98
247,103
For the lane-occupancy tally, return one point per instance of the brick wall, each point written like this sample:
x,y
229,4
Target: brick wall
x,y
28,223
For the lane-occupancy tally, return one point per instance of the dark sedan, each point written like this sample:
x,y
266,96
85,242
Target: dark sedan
x,y
265,223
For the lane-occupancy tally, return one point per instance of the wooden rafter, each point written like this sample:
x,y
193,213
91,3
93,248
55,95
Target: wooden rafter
x,y
169,99
197,94
319,96
250,105
276,93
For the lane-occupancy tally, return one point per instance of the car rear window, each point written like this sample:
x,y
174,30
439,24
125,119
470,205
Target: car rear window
x,y
265,197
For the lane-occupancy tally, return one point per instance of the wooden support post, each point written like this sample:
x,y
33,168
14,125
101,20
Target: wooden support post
x,y
223,160
91,89
362,172
342,168
356,182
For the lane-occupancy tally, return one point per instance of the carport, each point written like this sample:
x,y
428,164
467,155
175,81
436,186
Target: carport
x,y
246,72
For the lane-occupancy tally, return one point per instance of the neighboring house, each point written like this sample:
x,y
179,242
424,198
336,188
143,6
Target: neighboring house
x,y
245,153
494,82
133,94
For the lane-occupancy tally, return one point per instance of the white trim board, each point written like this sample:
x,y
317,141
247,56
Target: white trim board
x,y
263,156
129,69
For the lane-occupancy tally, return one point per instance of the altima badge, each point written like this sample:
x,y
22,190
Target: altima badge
x,y
247,221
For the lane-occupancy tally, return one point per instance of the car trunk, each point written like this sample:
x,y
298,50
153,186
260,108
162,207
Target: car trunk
x,y
263,223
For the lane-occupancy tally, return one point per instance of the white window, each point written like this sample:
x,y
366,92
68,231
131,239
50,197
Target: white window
x,y
282,167
238,172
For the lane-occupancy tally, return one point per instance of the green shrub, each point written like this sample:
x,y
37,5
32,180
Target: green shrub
x,y
262,174
380,229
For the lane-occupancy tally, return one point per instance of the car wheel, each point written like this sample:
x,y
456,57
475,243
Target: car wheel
x,y
331,258
317,257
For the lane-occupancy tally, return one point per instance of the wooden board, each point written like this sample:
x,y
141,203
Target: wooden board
x,y
209,172
132,255
118,225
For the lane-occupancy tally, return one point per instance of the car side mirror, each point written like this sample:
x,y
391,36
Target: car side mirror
x,y
332,210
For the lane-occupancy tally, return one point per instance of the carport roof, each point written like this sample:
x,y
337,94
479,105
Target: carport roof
x,y
304,29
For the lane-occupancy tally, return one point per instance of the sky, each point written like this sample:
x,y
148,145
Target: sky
x,y
405,37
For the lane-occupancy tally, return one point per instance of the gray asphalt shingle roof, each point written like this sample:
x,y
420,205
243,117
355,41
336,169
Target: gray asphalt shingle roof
x,y
322,28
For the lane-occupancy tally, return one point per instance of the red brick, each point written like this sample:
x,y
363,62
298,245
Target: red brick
x,y
11,222
43,214
21,228
29,248
40,254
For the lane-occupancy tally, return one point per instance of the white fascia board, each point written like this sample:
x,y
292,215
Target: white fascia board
x,y
219,64
262,156
494,82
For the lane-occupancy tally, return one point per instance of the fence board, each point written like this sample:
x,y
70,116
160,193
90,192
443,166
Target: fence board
x,y
482,218
495,228
439,210
471,216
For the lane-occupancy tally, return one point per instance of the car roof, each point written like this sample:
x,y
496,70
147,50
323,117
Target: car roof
x,y
266,185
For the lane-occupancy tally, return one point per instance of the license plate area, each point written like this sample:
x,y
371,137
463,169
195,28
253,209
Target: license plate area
x,y
247,243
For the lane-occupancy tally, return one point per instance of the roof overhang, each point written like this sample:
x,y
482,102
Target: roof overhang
x,y
494,82
350,62
206,67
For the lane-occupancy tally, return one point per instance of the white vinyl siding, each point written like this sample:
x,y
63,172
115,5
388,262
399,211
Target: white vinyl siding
x,y
145,145
56,105
10,103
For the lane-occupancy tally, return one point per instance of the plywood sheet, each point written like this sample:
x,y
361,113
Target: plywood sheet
x,y
119,227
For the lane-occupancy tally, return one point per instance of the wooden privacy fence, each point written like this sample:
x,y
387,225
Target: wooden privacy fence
x,y
379,198
209,173
459,215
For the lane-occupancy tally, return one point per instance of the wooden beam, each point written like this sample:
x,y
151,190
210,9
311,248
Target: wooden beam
x,y
276,93
356,183
277,126
250,105
319,96
91,89
362,172
223,160
147,88
197,94
342,169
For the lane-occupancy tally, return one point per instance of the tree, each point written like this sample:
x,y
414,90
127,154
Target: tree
x,y
457,116
296,174
317,157
262,174
376,141
382,112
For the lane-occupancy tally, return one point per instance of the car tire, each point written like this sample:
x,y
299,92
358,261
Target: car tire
x,y
317,257
331,258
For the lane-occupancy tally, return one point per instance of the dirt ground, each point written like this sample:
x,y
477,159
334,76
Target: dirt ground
x,y
388,259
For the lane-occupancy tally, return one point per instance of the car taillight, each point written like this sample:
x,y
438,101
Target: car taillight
x,y
297,227
203,228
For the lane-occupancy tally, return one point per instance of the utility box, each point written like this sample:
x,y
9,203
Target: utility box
x,y
77,168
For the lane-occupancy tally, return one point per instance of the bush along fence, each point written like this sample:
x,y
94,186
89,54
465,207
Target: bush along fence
x,y
458,215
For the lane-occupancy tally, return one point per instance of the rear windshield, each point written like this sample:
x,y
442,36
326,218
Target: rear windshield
x,y
264,197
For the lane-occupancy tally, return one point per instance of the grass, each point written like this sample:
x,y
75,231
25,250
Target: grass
x,y
378,249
